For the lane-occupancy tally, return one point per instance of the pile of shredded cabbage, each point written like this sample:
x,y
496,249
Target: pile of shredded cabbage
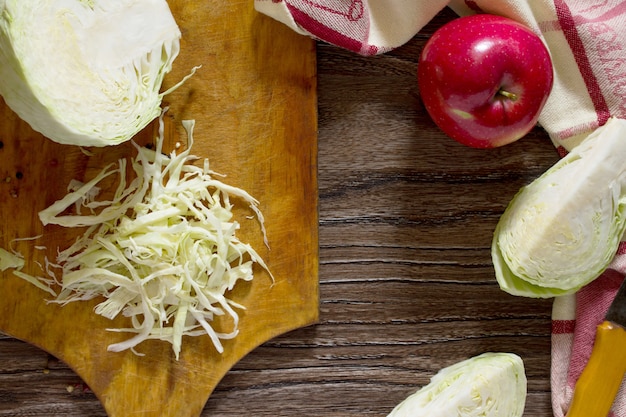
x,y
162,251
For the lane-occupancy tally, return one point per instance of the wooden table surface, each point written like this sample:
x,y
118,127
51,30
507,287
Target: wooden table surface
x,y
406,281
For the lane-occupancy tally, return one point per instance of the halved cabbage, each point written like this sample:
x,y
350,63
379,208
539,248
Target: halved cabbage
x,y
561,231
86,72
487,385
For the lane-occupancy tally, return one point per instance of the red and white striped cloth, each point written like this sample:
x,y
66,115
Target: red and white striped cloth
x,y
587,41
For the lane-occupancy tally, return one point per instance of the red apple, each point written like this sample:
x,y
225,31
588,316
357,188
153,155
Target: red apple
x,y
484,79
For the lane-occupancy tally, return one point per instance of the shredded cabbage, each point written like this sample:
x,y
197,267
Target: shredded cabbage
x,y
163,251
15,261
86,73
488,385
561,231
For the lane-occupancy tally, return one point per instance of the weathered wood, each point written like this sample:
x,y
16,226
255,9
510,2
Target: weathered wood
x,y
254,103
406,282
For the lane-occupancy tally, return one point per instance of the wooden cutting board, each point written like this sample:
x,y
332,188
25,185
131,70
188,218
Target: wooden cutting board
x,y
254,102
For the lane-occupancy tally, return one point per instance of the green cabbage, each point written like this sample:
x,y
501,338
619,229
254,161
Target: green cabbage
x,y
561,231
86,72
488,385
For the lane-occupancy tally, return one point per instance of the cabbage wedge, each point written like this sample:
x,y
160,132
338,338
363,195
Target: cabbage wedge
x,y
562,230
86,72
487,385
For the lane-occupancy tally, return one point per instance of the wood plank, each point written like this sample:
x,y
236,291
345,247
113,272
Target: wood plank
x,y
254,104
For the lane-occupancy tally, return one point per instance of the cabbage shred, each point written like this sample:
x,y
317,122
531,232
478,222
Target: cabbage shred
x,y
163,251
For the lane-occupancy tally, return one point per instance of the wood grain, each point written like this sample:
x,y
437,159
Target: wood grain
x,y
406,281
254,102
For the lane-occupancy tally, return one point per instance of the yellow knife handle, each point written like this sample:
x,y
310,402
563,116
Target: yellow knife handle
x,y
599,382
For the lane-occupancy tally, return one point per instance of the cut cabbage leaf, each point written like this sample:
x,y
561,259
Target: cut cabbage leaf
x,y
562,231
86,73
163,251
10,260
487,385
15,261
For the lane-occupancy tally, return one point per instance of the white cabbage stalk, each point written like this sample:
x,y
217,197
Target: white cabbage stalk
x,y
561,231
86,72
488,385
162,251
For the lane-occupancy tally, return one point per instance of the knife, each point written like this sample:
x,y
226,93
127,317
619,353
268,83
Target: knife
x,y
599,382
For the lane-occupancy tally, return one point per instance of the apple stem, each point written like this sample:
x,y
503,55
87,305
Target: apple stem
x,y
507,94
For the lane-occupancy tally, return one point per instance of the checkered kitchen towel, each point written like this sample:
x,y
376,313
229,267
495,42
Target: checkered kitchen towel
x,y
587,41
